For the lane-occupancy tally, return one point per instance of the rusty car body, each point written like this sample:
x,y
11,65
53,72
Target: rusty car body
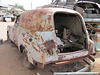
x,y
51,35
90,12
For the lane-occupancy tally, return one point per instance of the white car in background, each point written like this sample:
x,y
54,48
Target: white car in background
x,y
7,17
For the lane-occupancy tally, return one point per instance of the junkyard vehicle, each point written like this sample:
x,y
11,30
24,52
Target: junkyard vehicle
x,y
61,4
90,12
7,17
50,35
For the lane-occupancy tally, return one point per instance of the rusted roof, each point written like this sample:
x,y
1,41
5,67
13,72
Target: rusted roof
x,y
41,19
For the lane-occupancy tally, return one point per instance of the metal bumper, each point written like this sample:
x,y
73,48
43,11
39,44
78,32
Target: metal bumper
x,y
89,67
82,71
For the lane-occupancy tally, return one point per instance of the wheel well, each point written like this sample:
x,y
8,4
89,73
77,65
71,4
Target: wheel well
x,y
21,48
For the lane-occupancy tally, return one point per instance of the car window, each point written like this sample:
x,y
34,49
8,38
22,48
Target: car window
x,y
17,20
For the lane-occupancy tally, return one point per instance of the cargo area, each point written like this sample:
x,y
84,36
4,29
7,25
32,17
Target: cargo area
x,y
68,28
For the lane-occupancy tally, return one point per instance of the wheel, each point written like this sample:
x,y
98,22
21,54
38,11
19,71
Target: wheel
x,y
8,39
26,62
4,20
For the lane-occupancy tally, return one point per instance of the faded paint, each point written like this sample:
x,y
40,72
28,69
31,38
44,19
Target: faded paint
x,y
96,40
35,32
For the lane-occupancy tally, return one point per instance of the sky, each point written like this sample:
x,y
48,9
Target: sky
x,y
27,3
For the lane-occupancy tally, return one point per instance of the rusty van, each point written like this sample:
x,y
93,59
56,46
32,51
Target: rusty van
x,y
50,35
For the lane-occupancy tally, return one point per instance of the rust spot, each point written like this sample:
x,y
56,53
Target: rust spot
x,y
60,58
47,45
23,34
35,48
43,56
35,20
25,46
42,39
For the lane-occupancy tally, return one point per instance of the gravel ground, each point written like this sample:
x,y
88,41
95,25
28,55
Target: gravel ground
x,y
11,59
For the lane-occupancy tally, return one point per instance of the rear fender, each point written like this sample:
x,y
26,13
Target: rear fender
x,y
91,47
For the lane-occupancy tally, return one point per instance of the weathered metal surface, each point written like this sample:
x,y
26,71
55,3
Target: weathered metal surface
x,y
91,20
36,33
97,16
96,40
59,63
86,70
90,11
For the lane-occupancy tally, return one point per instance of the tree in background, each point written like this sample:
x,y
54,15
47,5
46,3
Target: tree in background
x,y
19,6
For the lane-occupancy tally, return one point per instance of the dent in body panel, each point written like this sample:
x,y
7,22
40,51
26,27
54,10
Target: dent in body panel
x,y
37,34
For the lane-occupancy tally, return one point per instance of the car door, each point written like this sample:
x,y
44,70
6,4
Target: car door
x,y
15,31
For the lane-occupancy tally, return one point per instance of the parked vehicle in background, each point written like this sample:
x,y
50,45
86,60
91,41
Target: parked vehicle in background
x,y
61,4
91,14
51,35
7,17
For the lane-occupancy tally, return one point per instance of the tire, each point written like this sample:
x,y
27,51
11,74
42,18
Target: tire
x,y
4,20
26,63
8,39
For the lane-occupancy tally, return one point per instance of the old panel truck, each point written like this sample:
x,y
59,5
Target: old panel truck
x,y
51,35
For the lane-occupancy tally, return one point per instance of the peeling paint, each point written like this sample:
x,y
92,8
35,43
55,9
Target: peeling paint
x,y
36,33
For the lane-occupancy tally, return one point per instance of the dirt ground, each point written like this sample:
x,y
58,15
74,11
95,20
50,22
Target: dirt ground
x,y
11,58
